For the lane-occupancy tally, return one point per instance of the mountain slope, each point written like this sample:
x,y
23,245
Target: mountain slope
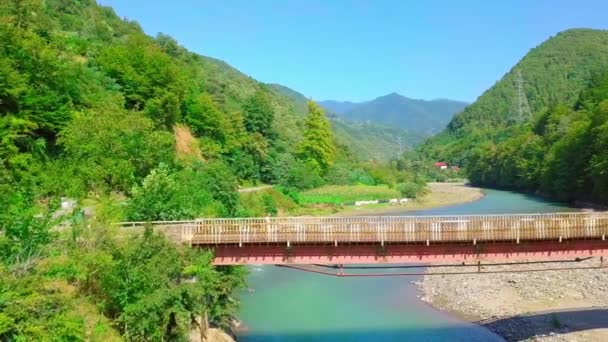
x,y
67,60
366,140
558,146
418,116
554,72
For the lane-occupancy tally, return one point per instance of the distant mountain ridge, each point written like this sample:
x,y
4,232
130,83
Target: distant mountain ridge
x,y
417,116
367,140
338,107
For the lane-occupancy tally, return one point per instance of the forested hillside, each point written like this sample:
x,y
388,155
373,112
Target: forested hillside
x,y
366,140
557,147
419,117
79,79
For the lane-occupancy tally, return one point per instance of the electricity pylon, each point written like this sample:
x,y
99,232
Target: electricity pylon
x,y
523,108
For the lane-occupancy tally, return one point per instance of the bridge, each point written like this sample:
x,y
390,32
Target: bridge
x,y
396,239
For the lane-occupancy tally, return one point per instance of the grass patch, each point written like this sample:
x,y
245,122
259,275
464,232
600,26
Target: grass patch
x,y
339,194
256,203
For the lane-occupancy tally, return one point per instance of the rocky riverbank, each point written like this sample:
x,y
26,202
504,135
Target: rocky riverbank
x,y
548,306
218,335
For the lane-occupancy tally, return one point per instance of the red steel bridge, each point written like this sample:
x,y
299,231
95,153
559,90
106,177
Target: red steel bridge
x,y
392,239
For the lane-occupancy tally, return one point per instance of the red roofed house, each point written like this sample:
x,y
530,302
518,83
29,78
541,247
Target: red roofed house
x,y
441,165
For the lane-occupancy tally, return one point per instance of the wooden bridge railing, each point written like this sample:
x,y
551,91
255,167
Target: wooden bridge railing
x,y
385,229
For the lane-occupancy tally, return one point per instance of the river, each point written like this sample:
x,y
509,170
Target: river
x,y
286,305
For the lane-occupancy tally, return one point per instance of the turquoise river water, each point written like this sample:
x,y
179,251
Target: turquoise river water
x,y
286,305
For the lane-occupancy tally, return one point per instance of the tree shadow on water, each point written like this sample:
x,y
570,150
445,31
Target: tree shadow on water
x,y
522,327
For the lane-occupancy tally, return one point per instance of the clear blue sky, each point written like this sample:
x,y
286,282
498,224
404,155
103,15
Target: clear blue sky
x,y
358,50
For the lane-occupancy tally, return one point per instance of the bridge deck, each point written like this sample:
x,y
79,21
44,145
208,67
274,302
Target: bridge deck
x,y
242,240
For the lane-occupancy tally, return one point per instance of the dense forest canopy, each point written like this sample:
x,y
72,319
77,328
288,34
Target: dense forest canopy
x,y
75,66
557,146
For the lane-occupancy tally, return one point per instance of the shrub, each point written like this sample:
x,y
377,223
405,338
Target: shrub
x,y
263,202
23,232
144,288
34,310
168,195
302,176
290,192
110,149
348,174
360,176
410,189
219,180
338,174
269,204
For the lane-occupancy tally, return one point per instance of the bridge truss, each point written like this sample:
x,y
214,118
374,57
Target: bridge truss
x,y
392,239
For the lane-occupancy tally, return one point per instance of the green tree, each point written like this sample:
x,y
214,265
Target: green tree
x,y
34,310
12,85
222,185
143,71
165,109
259,114
168,195
410,189
598,164
206,119
18,147
156,290
111,148
270,206
23,231
317,148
